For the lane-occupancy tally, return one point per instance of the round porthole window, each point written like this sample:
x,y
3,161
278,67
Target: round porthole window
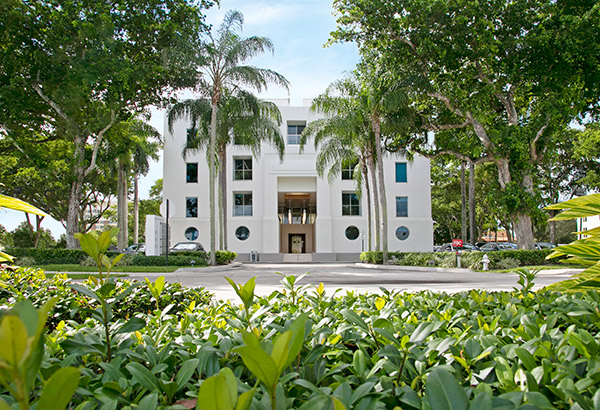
x,y
242,233
191,234
352,232
402,233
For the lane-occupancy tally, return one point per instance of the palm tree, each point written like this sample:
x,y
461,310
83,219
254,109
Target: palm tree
x,y
242,119
133,142
222,59
345,136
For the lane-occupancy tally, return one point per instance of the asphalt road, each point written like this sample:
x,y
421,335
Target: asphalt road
x,y
350,276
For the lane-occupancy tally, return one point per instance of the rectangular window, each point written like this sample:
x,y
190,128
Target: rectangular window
x,y
242,168
294,131
401,174
191,207
348,169
242,205
401,206
191,172
350,204
190,135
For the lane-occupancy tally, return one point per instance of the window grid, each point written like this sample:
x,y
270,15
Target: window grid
x,y
401,206
350,204
191,172
242,169
294,132
401,172
191,207
348,169
242,205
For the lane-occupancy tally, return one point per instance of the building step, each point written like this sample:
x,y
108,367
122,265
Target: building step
x,y
297,257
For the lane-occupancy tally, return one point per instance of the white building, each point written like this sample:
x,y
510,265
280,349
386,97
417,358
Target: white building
x,y
284,210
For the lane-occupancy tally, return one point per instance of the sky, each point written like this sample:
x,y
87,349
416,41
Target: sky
x,y
298,29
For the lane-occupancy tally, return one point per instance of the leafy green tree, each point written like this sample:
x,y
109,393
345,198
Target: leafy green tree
x,y
222,57
88,65
513,73
242,119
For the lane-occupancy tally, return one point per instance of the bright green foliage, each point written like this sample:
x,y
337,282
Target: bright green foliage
x,y
220,392
245,292
156,288
584,251
22,341
96,248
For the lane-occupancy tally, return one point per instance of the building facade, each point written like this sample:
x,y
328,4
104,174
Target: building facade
x,y
282,210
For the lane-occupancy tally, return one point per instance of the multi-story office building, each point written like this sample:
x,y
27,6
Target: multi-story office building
x,y
283,210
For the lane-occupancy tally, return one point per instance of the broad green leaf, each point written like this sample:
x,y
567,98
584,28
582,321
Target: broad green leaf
x,y
6,257
28,315
260,364
89,245
4,405
231,382
59,390
526,357
360,363
143,376
13,203
116,259
13,339
443,391
105,238
159,284
150,402
482,401
215,394
250,339
421,332
84,291
135,323
337,404
245,400
297,328
354,318
185,373
281,350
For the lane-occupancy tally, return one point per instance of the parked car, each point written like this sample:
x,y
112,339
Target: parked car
x,y
544,245
187,246
499,246
447,247
135,249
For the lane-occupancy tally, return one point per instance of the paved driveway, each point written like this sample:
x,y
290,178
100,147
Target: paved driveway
x,y
350,276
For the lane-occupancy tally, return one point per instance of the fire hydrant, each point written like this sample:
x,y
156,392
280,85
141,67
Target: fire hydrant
x,y
485,261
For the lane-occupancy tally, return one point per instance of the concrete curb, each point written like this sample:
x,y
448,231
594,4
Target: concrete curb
x,y
232,265
413,268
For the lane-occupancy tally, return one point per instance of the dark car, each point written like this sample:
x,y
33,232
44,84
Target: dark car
x,y
135,249
544,245
187,247
499,246
447,247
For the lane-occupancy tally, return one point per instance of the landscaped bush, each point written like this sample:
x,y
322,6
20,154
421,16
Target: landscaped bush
x,y
476,350
48,256
224,257
468,259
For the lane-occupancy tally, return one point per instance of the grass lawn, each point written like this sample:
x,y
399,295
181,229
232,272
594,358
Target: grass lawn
x,y
92,269
87,275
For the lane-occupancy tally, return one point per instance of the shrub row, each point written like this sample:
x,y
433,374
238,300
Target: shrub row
x,y
31,256
498,260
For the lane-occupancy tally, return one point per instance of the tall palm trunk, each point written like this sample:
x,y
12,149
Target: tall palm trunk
x,y
365,172
375,202
223,192
122,204
463,203
136,211
211,178
472,223
382,196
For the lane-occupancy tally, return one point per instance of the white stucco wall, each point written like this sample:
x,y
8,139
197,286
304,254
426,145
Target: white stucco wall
x,y
296,173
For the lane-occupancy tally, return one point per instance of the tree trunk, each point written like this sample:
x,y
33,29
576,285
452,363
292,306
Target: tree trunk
x,y
75,194
211,179
463,203
365,172
552,228
382,197
122,241
38,230
375,202
524,231
223,192
472,224
136,211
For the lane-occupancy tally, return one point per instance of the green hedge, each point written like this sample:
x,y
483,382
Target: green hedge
x,y
78,257
468,259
